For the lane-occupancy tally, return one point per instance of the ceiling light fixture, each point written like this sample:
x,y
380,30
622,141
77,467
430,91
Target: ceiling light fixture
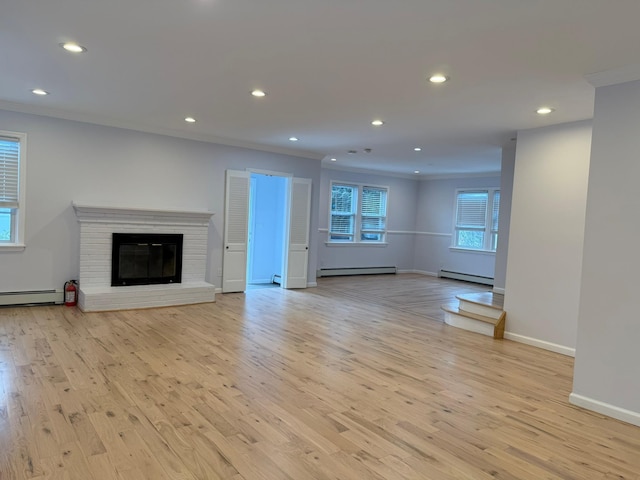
x,y
73,47
416,171
258,93
190,120
544,110
334,159
417,149
438,78
377,123
39,91
293,139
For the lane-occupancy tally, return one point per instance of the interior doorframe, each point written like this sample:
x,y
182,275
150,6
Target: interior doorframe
x,y
286,213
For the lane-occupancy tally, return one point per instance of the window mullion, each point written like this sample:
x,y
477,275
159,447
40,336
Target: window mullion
x,y
358,216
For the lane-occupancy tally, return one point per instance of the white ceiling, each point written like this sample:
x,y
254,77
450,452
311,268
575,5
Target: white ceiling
x,y
329,67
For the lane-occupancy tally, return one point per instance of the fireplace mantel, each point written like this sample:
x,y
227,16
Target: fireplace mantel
x,y
110,214
97,225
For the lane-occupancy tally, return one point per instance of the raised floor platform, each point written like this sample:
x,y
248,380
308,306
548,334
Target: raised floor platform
x,y
478,312
100,299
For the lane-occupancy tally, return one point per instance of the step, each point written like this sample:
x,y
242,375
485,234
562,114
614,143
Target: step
x,y
474,322
486,304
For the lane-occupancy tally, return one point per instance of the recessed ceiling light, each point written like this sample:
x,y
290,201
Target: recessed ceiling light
x,y
417,149
190,120
73,47
544,111
293,139
377,123
258,93
334,159
39,91
438,78
416,171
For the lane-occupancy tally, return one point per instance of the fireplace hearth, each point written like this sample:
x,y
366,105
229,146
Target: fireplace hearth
x,y
146,259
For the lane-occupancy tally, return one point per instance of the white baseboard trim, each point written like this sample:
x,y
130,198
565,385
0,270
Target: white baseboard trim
x,y
553,347
420,272
498,290
312,284
218,290
605,409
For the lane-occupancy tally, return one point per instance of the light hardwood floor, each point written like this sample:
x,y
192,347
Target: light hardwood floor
x,y
355,379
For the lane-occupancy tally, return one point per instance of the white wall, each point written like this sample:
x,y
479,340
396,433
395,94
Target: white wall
x,y
546,235
73,161
504,222
434,228
608,347
402,201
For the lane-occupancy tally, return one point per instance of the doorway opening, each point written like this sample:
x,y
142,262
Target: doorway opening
x,y
267,227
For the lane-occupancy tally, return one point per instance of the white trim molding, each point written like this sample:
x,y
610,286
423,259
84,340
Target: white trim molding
x,y
603,408
356,244
420,272
534,342
434,234
498,290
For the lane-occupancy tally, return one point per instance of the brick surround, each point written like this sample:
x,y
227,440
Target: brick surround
x,y
97,224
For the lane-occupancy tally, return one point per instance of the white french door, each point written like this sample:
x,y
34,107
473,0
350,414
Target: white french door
x,y
236,232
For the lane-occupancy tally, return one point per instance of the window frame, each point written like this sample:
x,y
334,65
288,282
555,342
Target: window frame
x,y
358,231
17,240
490,234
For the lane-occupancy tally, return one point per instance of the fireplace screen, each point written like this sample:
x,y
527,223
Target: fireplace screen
x,y
146,259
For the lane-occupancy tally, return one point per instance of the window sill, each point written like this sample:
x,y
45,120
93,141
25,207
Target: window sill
x,y
472,250
356,244
11,247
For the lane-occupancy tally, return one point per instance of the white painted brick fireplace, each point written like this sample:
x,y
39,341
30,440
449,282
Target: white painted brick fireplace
x,y
98,223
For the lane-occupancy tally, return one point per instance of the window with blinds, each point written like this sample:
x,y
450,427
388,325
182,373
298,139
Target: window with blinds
x,y
10,191
358,213
476,222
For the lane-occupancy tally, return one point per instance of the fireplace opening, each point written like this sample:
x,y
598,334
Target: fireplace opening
x,y
146,259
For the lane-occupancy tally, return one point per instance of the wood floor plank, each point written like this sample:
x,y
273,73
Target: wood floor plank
x,y
357,378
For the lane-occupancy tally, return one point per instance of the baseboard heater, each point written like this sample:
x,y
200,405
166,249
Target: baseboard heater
x,y
334,272
36,297
466,277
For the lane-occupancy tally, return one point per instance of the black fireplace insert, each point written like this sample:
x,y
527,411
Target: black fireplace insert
x,y
146,259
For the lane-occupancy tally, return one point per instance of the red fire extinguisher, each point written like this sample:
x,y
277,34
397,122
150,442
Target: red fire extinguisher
x,y
71,293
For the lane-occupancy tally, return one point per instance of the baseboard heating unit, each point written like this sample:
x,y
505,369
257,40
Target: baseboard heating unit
x,y
334,272
466,277
38,297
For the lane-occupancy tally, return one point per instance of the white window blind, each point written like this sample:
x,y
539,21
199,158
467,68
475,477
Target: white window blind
x,y
9,172
343,211
374,214
476,220
494,219
358,213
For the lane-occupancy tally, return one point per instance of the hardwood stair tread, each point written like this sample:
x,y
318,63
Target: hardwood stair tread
x,y
454,308
487,299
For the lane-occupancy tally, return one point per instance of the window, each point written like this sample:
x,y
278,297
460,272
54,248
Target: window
x,y
358,213
476,222
12,169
